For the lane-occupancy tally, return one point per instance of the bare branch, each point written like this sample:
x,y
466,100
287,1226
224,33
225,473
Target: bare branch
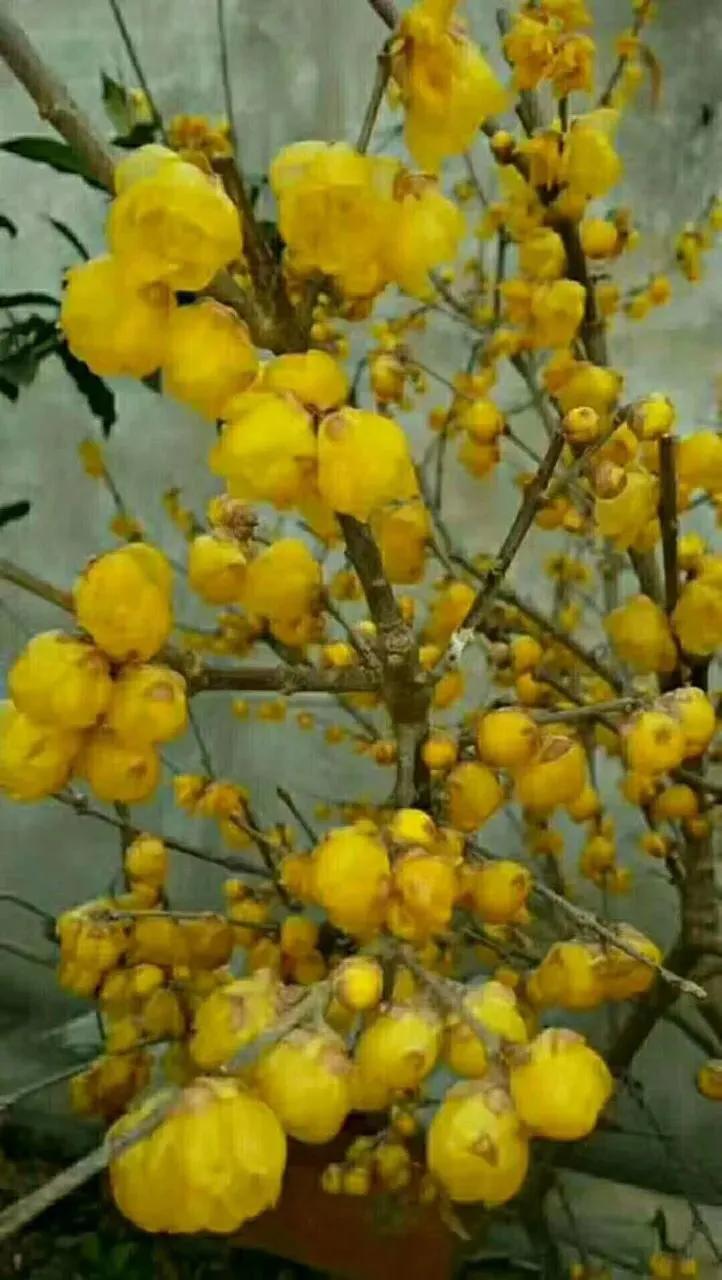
x,y
668,520
386,10
53,101
381,79
493,578
36,586
645,1015
225,70
135,62
25,953
23,1211
235,863
287,799
283,679
586,920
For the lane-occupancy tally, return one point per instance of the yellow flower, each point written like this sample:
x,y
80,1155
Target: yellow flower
x,y
217,569
117,771
695,712
654,742
699,461
146,859
697,618
402,532
208,357
495,1007
556,775
335,207
172,1181
60,680
398,1049
358,983
110,1083
313,377
498,890
176,225
572,68
232,1016
305,1079
592,166
148,705
626,502
591,386
35,759
447,87
113,323
571,975
560,1085
267,450
123,599
557,310
363,462
506,738
351,878
473,795
283,582
425,887
542,255
427,230
476,1146
200,133
640,633
529,47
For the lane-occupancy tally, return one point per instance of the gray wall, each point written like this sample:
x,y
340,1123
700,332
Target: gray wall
x,y
303,69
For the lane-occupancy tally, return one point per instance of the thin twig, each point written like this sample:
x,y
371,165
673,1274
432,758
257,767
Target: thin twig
x,y
26,1091
386,10
235,863
25,953
668,520
225,71
593,711
46,916
493,578
586,920
135,62
36,586
293,808
451,1000
381,79
205,755
53,101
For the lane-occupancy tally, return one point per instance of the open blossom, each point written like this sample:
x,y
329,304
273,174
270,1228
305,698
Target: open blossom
x,y
447,87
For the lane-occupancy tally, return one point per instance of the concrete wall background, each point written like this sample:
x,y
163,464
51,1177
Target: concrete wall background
x,y
312,61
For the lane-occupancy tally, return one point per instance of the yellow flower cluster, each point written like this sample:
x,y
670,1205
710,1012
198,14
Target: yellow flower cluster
x,y
95,705
542,44
361,219
171,227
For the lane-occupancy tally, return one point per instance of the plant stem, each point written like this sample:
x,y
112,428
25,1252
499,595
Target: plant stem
x,y
381,79
293,808
493,578
135,62
225,71
386,10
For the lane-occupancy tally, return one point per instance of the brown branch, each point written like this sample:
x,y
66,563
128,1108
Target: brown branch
x,y
293,808
283,679
593,329
36,586
386,10
645,1015
493,578
135,62
591,711
15,900
53,101
668,520
381,79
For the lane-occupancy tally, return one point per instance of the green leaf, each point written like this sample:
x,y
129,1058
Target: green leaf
x,y
139,136
6,224
29,299
97,393
9,390
116,103
58,155
13,511
68,234
23,345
